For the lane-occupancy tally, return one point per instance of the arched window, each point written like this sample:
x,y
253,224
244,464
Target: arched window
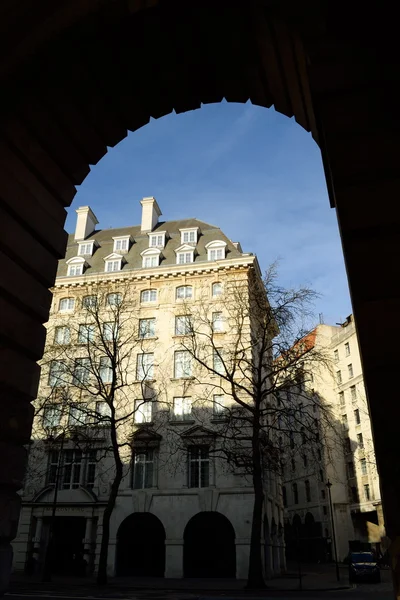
x,y
308,491
216,289
148,296
295,493
66,304
183,292
216,250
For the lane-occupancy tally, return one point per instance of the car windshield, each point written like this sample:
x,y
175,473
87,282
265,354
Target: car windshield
x,y
362,557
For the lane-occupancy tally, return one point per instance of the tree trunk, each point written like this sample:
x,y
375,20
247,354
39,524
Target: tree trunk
x,y
105,538
255,578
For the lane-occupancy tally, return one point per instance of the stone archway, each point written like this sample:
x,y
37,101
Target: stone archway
x,y
141,546
209,546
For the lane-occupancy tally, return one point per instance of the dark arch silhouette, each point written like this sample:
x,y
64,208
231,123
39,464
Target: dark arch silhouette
x,y
141,546
209,546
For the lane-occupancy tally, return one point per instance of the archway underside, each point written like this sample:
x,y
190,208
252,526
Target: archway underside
x,y
71,91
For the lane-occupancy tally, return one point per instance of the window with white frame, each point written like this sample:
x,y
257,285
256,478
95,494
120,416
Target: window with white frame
x,y
218,363
188,236
363,463
219,404
103,412
112,265
66,305
52,415
143,411
110,332
75,468
151,261
85,249
147,328
57,373
157,240
182,408
52,467
114,299
216,250
86,333
148,296
62,335
216,289
145,366
77,415
183,325
105,370
338,377
184,257
350,370
72,469
347,349
89,302
353,392
143,469
217,322
199,466
336,355
82,369
341,399
75,269
182,364
184,292
121,244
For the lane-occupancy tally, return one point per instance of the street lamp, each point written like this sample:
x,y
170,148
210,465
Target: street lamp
x,y
329,485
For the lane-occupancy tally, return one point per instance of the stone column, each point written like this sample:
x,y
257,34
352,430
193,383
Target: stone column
x,y
174,559
87,542
242,557
36,540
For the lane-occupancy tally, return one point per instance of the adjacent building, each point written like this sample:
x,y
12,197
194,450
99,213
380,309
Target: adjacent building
x,y
180,511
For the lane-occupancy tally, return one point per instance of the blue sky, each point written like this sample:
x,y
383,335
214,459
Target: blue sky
x,y
251,171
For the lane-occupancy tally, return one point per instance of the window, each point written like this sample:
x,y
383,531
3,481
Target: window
x,y
106,371
336,356
71,472
218,364
347,445
305,461
216,289
183,292
113,265
284,496
184,257
353,392
151,261
121,244
85,249
143,469
308,491
51,415
347,349
147,328
367,493
86,333
57,375
188,236
363,463
114,299
360,440
216,250
62,335
217,322
103,412
338,377
81,371
321,475
52,468
354,493
89,302
350,368
182,364
145,366
199,467
323,494
293,464
148,296
325,510
219,405
183,325
91,461
157,240
295,493
110,332
350,469
345,422
357,417
341,398
143,411
77,415
66,304
182,408
75,270
319,454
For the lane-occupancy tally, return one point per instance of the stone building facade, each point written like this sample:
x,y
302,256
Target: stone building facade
x,y
184,513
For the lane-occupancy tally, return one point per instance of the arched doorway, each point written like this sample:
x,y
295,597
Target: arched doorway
x,y
209,546
141,546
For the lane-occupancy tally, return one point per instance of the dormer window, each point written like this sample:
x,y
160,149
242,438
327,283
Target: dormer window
x,y
157,240
189,236
76,266
150,258
184,254
121,243
112,263
216,250
86,249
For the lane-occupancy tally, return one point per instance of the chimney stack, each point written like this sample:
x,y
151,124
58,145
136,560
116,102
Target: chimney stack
x,y
85,223
150,213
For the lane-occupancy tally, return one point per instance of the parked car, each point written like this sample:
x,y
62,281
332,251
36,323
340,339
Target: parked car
x,y
363,566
